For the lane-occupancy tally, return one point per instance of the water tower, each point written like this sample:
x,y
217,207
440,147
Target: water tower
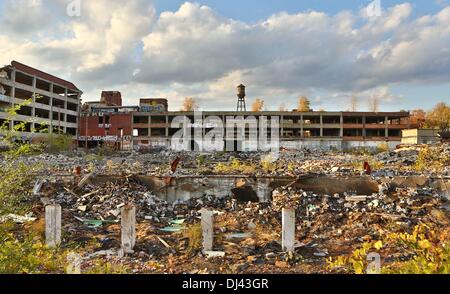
x,y
241,98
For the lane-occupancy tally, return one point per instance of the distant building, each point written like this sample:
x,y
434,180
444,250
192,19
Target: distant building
x,y
55,102
153,105
101,124
420,136
111,98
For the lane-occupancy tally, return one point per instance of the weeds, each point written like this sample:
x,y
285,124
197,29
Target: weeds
x,y
16,182
235,166
29,255
431,158
382,147
427,245
194,233
102,267
56,143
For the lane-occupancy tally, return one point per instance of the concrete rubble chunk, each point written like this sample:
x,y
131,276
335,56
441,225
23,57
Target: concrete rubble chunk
x,y
207,223
288,230
53,225
128,228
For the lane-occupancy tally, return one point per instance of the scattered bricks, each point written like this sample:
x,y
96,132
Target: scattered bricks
x,y
288,229
207,229
128,228
53,225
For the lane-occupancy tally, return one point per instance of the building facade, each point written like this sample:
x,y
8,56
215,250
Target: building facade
x,y
54,106
420,136
151,126
341,130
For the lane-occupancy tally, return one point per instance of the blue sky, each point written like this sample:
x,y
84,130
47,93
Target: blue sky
x,y
255,10
281,49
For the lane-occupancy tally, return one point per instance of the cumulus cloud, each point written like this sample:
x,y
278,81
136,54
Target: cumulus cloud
x,y
195,51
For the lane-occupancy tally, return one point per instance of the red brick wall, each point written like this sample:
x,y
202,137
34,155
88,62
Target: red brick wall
x,y
116,120
112,98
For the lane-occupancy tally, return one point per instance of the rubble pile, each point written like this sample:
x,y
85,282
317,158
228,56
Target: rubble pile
x,y
103,201
404,156
247,234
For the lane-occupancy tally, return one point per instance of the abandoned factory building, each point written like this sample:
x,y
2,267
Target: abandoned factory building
x,y
150,125
54,106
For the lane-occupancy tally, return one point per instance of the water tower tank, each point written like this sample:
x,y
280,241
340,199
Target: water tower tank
x,y
241,91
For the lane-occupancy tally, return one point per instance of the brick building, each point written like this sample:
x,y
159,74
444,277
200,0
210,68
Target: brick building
x,y
150,125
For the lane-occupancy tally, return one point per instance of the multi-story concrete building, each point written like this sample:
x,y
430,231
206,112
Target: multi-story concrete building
x,y
55,103
152,125
340,130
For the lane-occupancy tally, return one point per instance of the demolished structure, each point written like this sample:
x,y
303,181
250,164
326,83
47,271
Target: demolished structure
x,y
55,102
151,126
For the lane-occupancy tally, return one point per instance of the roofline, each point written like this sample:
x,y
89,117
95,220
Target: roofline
x,y
58,80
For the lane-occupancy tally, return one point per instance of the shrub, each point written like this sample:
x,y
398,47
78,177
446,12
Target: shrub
x,y
104,267
430,158
427,245
194,234
30,256
382,147
16,182
56,143
235,166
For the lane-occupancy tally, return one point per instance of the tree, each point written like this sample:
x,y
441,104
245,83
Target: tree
x,y
418,117
189,104
353,103
304,104
258,105
374,104
439,117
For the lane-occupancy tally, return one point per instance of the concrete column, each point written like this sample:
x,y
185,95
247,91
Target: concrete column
x,y
387,126
13,75
34,82
51,115
208,229
288,229
364,126
321,125
149,126
128,228
342,125
203,127
53,225
281,126
301,126
167,126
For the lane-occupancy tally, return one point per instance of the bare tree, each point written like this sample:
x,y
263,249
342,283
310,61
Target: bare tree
x,y
282,107
304,104
258,105
354,103
374,104
189,104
